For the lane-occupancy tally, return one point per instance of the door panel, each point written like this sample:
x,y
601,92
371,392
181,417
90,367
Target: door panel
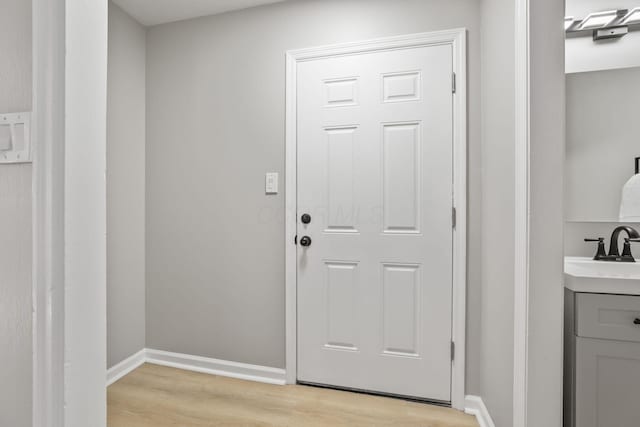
x,y
375,154
401,309
342,280
340,177
607,377
401,177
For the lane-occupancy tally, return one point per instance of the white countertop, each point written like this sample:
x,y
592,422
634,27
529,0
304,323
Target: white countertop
x,y
604,277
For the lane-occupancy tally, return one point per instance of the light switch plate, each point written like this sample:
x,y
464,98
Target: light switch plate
x,y
15,138
271,183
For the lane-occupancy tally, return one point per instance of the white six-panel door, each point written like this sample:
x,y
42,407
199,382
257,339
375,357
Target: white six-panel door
x,y
375,174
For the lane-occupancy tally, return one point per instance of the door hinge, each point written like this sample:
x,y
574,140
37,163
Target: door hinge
x,y
453,83
453,350
454,217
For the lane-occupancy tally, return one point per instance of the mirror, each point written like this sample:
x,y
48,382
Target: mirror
x,y
603,140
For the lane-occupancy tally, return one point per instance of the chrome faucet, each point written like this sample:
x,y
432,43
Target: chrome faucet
x,y
614,252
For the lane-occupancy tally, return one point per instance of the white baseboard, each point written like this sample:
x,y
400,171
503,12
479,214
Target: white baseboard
x,y
126,366
473,405
223,368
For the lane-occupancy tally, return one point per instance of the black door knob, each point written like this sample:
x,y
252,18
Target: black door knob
x,y
636,321
305,241
306,218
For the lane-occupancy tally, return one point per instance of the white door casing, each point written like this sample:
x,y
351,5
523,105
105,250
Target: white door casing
x,y
380,144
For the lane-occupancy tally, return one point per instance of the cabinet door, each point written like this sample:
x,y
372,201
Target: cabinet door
x,y
607,383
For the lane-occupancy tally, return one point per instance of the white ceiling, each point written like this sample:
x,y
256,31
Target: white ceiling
x,y
154,12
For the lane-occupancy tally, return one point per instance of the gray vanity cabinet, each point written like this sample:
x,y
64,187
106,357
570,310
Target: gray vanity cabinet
x,y
603,358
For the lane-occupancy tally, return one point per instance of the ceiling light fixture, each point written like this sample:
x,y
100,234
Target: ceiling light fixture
x,y
598,20
631,18
610,24
568,22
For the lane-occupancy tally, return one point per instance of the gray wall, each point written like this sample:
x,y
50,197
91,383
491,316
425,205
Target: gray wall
x,y
125,186
497,209
603,138
215,125
547,148
15,217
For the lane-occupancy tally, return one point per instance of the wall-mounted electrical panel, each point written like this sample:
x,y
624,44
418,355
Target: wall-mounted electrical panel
x,y
15,138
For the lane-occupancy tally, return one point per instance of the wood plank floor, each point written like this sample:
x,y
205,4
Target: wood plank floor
x,y
156,396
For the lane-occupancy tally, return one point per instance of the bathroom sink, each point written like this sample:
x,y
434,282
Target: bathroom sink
x,y
586,275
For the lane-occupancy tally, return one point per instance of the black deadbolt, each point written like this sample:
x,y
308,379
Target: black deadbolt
x,y
305,241
636,321
306,218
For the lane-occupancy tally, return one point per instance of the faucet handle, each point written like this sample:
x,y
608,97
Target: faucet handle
x,y
602,252
626,252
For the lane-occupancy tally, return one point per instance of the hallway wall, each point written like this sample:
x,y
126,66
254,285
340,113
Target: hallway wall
x,y
215,125
126,112
498,209
15,220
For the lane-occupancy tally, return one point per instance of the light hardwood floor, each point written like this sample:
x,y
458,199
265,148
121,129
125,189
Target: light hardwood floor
x,y
156,396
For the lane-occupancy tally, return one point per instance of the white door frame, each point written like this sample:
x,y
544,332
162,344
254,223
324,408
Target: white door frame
x,y
457,39
522,210
48,212
537,30
69,207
